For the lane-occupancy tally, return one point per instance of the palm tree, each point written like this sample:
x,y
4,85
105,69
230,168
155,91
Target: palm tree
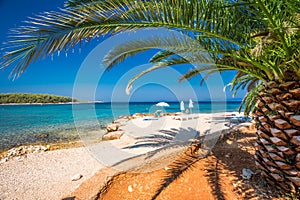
x,y
257,38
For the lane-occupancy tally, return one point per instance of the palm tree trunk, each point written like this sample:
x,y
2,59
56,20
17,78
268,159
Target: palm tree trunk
x,y
278,128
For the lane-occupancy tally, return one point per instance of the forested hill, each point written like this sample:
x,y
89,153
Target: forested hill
x,y
33,98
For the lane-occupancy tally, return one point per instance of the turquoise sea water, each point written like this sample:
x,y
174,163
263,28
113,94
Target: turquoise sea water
x,y
27,124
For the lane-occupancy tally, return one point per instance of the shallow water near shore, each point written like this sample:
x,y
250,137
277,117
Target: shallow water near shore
x,y
29,124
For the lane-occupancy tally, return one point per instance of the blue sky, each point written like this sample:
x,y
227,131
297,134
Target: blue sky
x,y
58,74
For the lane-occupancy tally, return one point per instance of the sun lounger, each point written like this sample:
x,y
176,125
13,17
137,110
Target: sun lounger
x,y
149,119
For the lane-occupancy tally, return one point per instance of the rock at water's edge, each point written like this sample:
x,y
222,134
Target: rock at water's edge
x,y
112,127
113,135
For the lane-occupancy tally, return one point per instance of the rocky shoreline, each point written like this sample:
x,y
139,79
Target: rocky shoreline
x,y
19,153
114,131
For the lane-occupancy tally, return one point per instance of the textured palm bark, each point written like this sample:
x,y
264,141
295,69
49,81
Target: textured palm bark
x,y
278,128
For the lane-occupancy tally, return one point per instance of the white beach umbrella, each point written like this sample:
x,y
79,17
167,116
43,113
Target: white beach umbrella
x,y
162,104
182,106
191,104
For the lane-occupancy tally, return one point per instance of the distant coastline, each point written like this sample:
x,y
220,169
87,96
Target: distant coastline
x,y
29,99
24,104
118,102
58,103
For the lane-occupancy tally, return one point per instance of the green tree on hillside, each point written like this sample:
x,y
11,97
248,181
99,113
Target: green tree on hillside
x,y
33,98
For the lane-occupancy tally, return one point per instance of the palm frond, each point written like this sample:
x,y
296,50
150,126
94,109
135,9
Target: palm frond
x,y
175,43
76,3
241,81
56,31
275,12
214,68
210,69
252,84
249,101
170,62
161,55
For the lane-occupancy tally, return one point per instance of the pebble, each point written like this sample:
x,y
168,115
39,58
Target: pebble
x,y
44,148
76,177
227,155
247,173
4,160
30,150
19,158
43,135
130,188
37,148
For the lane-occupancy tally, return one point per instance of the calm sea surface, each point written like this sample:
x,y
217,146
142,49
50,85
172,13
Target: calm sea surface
x,y
27,124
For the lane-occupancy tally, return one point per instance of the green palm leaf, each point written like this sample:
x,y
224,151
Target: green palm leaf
x,y
170,62
57,31
249,101
177,44
161,55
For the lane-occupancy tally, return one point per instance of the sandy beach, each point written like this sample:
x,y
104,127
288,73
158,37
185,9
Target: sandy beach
x,y
49,174
46,175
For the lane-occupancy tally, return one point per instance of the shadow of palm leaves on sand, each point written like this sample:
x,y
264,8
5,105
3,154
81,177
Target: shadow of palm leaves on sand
x,y
180,149
197,148
226,156
178,155
167,146
174,145
164,138
155,140
195,151
182,164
